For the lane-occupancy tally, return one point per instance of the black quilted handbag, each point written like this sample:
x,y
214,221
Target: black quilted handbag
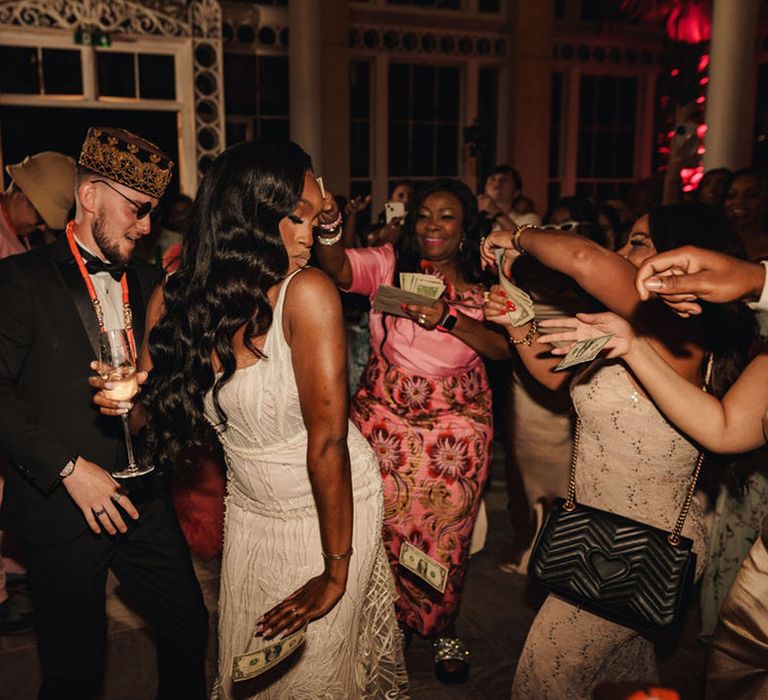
x,y
625,571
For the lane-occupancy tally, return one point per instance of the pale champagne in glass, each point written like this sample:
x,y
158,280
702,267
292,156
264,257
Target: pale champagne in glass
x,y
117,365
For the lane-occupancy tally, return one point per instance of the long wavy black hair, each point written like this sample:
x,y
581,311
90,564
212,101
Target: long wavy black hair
x,y
232,255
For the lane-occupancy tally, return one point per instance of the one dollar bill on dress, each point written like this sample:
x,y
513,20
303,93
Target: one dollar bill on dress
x,y
425,567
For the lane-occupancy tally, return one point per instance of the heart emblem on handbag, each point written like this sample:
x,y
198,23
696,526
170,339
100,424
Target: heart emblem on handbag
x,y
608,568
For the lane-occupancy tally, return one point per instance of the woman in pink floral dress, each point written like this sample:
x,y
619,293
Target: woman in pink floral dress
x,y
424,403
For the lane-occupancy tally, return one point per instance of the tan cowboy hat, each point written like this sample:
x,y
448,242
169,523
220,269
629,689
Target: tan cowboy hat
x,y
48,181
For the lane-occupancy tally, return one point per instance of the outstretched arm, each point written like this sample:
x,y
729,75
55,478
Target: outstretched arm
x,y
601,273
684,275
610,279
730,425
314,329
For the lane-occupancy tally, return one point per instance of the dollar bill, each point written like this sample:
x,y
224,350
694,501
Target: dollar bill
x,y
418,283
584,351
425,567
389,300
524,311
255,663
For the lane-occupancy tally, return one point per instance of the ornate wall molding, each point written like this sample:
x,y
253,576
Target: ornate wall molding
x,y
112,16
207,60
416,41
197,21
575,51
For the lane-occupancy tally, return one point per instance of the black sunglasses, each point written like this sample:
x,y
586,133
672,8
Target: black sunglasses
x,y
141,209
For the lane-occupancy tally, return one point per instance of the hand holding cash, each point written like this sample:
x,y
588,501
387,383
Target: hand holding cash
x,y
330,210
507,304
255,663
489,257
417,298
581,338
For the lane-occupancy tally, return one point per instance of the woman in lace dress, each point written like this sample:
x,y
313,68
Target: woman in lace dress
x,y
738,665
248,341
631,461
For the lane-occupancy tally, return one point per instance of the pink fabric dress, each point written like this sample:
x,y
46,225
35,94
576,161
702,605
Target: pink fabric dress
x,y
425,407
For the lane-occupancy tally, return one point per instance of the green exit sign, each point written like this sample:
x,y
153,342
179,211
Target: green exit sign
x,y
86,37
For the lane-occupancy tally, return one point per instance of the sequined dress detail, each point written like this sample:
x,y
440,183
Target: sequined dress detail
x,y
272,546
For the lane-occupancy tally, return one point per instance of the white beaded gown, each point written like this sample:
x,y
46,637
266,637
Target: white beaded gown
x,y
631,461
272,546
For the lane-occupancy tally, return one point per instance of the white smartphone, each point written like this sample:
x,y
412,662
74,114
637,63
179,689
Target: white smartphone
x,y
393,210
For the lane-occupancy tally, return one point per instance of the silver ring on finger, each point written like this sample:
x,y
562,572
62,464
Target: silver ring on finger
x,y
116,496
422,319
295,612
100,512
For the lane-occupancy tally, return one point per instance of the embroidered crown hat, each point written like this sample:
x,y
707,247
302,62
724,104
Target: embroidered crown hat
x,y
128,159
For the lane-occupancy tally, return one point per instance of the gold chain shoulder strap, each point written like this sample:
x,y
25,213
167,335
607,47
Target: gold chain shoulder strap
x,y
674,537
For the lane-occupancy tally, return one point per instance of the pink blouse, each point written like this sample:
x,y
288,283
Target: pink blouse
x,y
409,346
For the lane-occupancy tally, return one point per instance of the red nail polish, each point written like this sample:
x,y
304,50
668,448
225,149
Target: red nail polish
x,y
511,306
502,293
402,306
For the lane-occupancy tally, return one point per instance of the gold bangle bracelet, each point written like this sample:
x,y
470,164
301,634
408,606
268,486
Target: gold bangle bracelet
x,y
527,339
519,232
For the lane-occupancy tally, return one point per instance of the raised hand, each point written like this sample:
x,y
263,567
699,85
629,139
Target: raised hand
x,y
357,204
585,326
685,275
313,600
330,212
97,495
498,239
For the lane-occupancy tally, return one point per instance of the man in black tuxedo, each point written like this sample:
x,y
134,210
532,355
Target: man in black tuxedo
x,y
60,498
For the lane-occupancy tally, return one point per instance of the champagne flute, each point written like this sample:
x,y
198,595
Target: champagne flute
x,y
118,367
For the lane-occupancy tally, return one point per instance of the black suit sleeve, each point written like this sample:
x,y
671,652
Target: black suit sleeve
x,y
32,447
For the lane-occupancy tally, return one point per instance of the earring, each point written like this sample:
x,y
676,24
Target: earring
x,y
461,245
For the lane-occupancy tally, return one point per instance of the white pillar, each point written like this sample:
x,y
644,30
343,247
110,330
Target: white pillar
x,y
731,89
305,75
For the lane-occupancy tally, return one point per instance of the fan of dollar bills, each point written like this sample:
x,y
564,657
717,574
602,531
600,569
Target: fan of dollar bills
x,y
425,285
415,289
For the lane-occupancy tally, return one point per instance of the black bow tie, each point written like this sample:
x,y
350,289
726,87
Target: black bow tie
x,y
95,265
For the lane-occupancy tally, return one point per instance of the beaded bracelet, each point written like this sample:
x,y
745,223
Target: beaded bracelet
x,y
330,240
527,340
338,557
333,225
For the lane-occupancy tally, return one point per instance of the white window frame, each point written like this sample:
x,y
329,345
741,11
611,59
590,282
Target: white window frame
x,y
468,91
569,134
183,105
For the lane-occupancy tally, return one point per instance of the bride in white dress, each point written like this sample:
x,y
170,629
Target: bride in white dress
x,y
248,341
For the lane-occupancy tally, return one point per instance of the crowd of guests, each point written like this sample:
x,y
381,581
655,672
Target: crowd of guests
x,y
246,356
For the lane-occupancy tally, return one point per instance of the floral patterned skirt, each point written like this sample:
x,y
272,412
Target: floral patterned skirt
x,y
432,437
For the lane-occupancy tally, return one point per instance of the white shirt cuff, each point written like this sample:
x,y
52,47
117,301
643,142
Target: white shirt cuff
x,y
762,303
